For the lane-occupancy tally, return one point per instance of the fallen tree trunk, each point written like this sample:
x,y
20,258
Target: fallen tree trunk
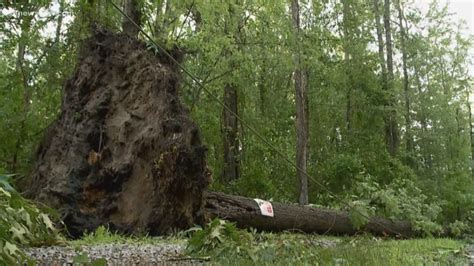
x,y
291,217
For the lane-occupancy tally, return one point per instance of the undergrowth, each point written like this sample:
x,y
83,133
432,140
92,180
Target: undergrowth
x,y
103,235
22,224
225,244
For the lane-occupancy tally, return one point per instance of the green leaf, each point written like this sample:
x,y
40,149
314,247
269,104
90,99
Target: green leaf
x,y
11,249
359,216
47,221
6,193
99,262
18,232
82,258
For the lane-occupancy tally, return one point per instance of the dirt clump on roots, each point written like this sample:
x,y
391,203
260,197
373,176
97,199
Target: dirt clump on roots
x,y
123,151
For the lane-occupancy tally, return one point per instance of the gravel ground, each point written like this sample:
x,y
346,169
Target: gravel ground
x,y
139,254
114,254
470,254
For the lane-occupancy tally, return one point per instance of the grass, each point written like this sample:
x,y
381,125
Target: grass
x,y
104,236
253,248
371,251
283,249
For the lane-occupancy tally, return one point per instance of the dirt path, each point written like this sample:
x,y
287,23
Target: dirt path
x,y
114,254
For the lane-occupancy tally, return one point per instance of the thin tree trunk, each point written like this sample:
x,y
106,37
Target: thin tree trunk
x,y
133,11
380,41
262,90
403,36
301,86
230,123
197,18
391,116
22,46
423,122
230,134
347,41
158,27
471,133
383,67
60,22
167,16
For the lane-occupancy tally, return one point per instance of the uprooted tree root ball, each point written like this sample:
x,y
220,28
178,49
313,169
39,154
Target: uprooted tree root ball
x,y
124,151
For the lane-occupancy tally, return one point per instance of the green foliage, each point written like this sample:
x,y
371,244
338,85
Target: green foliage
x,y
400,200
103,235
360,213
218,236
22,224
225,244
84,259
344,169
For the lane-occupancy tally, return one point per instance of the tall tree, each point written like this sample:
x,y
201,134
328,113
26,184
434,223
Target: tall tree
x,y
230,123
133,11
471,132
302,118
406,94
158,27
391,128
27,11
380,43
346,13
391,134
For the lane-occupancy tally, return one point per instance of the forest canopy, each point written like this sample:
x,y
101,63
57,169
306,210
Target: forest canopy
x,y
370,98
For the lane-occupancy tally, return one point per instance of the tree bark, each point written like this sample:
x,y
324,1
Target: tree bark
x,y
230,128
403,37
246,213
157,27
346,18
391,128
262,90
380,42
230,134
24,74
302,117
133,11
471,133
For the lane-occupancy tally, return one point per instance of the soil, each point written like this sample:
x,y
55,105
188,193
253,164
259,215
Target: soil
x,y
123,151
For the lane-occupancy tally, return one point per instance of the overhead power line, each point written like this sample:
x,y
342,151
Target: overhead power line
x,y
244,123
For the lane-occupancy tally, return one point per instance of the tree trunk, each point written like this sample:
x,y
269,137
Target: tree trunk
x,y
230,128
230,134
471,133
381,52
246,213
62,6
423,121
302,132
133,11
391,114
24,74
157,27
346,13
262,90
403,36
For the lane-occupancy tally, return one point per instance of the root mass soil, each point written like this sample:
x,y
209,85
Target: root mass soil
x,y
123,151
